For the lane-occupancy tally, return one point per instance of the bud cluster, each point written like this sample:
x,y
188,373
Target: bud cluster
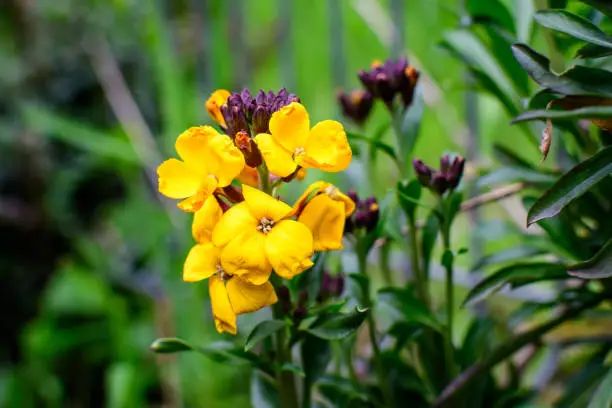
x,y
388,79
447,179
366,214
246,116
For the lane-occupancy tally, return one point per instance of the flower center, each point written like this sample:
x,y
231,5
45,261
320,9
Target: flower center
x,y
331,191
299,151
223,276
265,225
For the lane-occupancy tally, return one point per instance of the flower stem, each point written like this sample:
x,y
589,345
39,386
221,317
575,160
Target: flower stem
x,y
450,299
383,381
419,277
285,381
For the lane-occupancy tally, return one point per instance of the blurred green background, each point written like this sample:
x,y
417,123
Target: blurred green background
x,y
94,94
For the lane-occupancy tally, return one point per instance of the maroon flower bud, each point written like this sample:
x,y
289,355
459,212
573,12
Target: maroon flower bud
x,y
252,155
356,105
352,194
260,119
439,183
284,297
303,299
423,172
385,81
366,214
299,314
456,172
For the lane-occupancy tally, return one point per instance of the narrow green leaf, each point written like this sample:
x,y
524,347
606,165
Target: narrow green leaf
x,y
264,393
599,266
316,354
409,189
593,51
513,275
262,331
511,254
514,173
523,13
80,135
170,345
408,306
293,368
589,112
410,124
447,259
339,325
491,10
572,185
578,80
573,25
603,394
602,5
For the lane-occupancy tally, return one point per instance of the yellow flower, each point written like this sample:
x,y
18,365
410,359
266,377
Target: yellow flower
x,y
229,295
214,103
210,160
256,237
293,143
325,214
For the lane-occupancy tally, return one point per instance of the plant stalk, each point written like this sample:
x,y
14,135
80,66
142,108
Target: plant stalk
x,y
285,380
383,381
420,279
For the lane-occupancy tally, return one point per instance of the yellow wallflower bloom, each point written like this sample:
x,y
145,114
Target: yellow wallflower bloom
x,y
210,160
230,295
249,176
325,214
214,103
293,143
256,237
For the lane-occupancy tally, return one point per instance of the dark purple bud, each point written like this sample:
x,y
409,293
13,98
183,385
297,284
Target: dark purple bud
x,y
456,172
349,226
408,84
246,96
337,286
252,155
423,172
439,183
367,80
300,313
444,164
356,105
384,88
260,99
352,194
284,298
260,119
235,120
303,299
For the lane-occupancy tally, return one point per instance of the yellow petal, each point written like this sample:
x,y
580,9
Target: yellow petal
x,y
201,263
177,180
193,147
195,202
234,222
261,205
349,205
247,298
205,219
249,176
214,103
327,148
290,127
325,217
245,256
289,247
225,318
277,158
301,202
224,160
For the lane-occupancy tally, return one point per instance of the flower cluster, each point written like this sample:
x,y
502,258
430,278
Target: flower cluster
x,y
243,234
447,179
356,105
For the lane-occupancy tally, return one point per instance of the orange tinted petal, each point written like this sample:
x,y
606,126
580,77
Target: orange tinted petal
x,y
289,247
327,147
225,318
263,205
278,159
234,222
214,103
245,256
201,263
177,180
290,126
246,297
205,219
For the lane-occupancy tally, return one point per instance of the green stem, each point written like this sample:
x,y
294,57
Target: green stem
x,y
449,288
264,179
285,380
421,283
383,381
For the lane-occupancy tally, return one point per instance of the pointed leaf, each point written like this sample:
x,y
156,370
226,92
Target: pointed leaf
x,y
408,306
375,144
512,275
264,393
573,25
578,80
409,189
593,51
262,331
170,345
339,325
589,112
572,185
603,395
600,266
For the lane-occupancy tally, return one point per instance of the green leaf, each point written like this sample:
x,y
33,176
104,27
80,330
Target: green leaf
x,y
408,306
578,80
362,282
602,5
293,368
593,51
375,144
338,325
514,275
511,254
264,393
410,124
599,266
409,189
572,185
170,345
263,330
316,355
227,353
78,134
447,259
508,174
493,10
589,112
573,25
341,392
524,11
603,394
